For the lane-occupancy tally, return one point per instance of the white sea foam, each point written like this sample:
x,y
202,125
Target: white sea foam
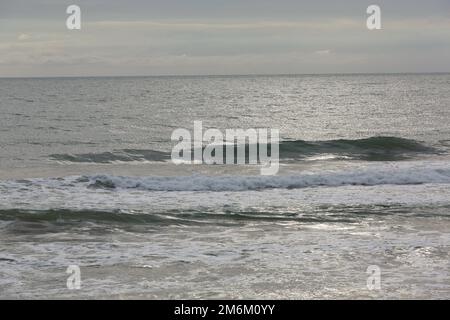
x,y
381,175
405,174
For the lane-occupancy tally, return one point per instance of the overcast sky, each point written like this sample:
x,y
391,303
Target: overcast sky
x,y
138,37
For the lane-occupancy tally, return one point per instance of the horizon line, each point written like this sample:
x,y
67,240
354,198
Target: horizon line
x,y
226,75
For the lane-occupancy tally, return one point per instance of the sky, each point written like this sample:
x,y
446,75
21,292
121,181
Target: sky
x,y
199,37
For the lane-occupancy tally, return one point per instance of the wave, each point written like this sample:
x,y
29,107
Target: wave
x,y
46,220
362,177
65,216
131,199
369,149
404,174
126,155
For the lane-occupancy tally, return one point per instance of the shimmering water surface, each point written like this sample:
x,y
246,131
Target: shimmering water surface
x,y
86,179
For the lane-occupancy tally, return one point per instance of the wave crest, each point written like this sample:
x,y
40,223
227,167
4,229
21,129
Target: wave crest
x,y
369,149
362,177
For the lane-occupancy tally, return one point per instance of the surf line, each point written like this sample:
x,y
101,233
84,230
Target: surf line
x,y
208,147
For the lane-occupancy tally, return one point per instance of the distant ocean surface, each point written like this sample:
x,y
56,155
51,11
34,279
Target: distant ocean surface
x,y
86,179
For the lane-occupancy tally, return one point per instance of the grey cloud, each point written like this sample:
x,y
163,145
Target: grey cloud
x,y
214,37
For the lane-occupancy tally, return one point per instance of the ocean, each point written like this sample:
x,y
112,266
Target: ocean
x,y
86,180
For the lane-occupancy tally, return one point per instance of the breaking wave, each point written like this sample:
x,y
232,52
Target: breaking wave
x,y
404,176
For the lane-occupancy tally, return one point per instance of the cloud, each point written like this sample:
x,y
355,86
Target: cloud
x,y
217,37
227,25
